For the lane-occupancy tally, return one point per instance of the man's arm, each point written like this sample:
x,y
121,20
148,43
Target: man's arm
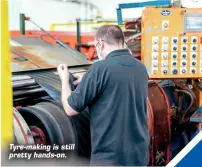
x,y
66,92
86,92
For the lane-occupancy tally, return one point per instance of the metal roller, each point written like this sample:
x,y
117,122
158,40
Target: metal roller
x,y
21,93
23,83
20,77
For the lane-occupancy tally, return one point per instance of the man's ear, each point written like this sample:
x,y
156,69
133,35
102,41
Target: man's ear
x,y
102,45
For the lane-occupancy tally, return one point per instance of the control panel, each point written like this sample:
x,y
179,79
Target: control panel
x,y
172,42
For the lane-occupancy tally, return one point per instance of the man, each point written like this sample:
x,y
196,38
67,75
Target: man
x,y
115,90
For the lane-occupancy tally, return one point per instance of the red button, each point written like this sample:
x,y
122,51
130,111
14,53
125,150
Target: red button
x,y
201,40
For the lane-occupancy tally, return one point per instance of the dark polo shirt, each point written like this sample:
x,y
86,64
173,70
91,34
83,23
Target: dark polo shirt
x,y
115,90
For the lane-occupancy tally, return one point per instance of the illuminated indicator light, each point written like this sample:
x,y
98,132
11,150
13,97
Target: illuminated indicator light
x,y
155,56
155,40
154,71
155,64
165,56
165,40
165,25
155,48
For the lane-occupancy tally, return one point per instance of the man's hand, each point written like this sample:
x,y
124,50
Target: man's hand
x,y
63,73
78,78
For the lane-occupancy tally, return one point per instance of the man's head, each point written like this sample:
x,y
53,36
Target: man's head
x,y
107,39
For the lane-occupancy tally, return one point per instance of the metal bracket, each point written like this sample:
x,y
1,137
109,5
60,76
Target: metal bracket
x,y
138,5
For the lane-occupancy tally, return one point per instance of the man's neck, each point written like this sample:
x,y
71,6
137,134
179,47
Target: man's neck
x,y
113,49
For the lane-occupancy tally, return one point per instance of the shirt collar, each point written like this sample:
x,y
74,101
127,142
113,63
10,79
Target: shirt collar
x,y
118,53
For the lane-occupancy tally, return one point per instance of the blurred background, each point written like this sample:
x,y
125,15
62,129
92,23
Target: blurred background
x,y
48,12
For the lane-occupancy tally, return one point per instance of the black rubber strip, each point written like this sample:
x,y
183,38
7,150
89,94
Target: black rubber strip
x,y
50,82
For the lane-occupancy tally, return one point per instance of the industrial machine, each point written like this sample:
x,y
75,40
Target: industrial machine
x,y
170,42
38,117
170,50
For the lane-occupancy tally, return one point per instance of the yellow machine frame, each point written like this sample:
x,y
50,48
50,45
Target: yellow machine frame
x,y
6,91
87,23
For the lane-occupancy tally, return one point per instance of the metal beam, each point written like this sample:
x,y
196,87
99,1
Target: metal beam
x,y
143,4
138,5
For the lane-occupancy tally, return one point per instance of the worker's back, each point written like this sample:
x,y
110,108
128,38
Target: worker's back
x,y
119,129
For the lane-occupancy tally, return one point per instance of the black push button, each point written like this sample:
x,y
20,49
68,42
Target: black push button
x,y
174,48
194,40
184,48
193,63
184,56
194,56
193,71
194,48
185,40
175,40
184,63
175,71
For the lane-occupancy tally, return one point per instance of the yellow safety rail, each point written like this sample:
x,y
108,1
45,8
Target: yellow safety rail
x,y
53,26
6,90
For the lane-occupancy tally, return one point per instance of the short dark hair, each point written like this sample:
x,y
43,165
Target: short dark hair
x,y
111,34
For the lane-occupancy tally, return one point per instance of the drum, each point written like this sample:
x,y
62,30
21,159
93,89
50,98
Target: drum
x,y
162,131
